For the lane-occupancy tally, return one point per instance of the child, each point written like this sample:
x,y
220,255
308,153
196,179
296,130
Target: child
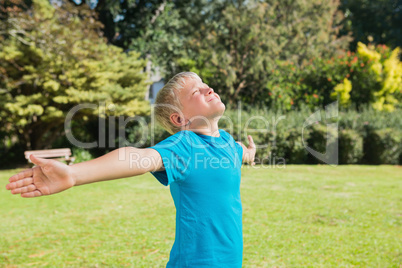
x,y
200,162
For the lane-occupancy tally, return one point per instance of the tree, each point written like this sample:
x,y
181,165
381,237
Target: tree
x,y
154,28
53,58
238,51
234,45
377,21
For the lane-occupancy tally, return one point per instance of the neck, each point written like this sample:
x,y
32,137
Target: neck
x,y
210,129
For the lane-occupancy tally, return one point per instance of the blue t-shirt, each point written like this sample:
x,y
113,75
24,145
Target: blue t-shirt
x,y
204,177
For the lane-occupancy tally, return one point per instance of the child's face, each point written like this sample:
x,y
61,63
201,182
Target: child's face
x,y
198,99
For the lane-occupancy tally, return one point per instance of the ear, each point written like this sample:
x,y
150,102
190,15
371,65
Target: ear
x,y
177,119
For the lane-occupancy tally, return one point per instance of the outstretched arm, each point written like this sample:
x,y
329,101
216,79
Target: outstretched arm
x,y
248,152
51,176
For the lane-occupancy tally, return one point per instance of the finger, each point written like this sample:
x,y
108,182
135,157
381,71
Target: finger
x,y
25,189
250,141
38,161
22,175
35,193
19,183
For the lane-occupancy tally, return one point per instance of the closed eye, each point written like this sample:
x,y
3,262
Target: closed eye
x,y
195,91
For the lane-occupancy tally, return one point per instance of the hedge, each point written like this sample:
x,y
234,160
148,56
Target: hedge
x,y
365,137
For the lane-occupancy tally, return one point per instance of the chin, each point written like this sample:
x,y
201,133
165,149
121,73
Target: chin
x,y
221,109
223,106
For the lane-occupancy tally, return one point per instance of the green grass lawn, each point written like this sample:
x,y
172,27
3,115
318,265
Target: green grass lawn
x,y
299,216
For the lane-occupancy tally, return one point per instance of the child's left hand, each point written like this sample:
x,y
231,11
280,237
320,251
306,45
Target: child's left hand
x,y
250,151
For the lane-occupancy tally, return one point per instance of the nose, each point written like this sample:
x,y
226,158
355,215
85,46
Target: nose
x,y
210,91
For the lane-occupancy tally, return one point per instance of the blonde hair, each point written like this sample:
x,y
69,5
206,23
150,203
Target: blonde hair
x,y
167,101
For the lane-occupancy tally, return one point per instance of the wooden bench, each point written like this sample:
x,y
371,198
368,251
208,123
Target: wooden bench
x,y
57,154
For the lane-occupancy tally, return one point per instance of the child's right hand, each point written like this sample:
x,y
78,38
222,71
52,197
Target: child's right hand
x,y
47,177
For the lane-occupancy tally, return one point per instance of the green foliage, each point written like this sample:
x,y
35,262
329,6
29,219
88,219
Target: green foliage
x,y
235,54
279,137
320,138
342,92
350,147
383,146
232,55
260,51
53,58
284,138
233,45
158,36
372,76
81,155
290,146
367,117
375,21
288,89
384,66
375,75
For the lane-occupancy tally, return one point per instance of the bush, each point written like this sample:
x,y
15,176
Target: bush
x,y
287,135
371,76
321,139
12,157
282,139
81,155
350,147
295,152
368,117
382,146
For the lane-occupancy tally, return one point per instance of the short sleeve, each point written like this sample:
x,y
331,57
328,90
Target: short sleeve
x,y
238,149
176,154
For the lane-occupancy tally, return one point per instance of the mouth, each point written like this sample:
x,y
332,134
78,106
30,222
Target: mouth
x,y
214,98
